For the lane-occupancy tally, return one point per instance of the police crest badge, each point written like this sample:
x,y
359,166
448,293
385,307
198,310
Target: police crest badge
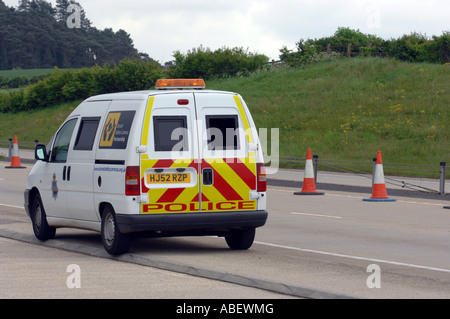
x,y
54,187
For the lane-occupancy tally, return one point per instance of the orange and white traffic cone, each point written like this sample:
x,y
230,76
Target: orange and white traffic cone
x,y
15,159
309,182
379,193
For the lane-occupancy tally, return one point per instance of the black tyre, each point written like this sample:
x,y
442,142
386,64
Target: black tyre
x,y
241,239
41,229
114,241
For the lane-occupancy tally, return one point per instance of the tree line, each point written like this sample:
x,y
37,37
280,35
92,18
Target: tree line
x,y
130,74
415,47
36,35
68,84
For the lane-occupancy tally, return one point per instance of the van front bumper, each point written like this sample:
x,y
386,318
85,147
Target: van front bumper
x,y
26,202
190,223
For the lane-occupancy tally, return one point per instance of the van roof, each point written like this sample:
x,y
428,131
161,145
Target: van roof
x,y
143,95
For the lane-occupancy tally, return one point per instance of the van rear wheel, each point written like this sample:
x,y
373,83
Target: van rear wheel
x,y
114,241
241,239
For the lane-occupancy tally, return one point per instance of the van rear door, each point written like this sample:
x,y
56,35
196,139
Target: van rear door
x,y
228,165
169,162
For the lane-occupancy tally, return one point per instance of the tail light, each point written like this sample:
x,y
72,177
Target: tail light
x,y
261,177
132,181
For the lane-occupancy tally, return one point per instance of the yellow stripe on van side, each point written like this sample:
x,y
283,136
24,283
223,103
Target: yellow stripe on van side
x,y
248,131
148,114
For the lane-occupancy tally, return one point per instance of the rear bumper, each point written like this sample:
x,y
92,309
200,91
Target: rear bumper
x,y
191,223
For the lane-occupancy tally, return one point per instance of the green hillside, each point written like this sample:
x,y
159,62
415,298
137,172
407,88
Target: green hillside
x,y
349,109
32,75
346,109
28,73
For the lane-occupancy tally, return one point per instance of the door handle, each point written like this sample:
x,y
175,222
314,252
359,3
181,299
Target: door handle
x,y
66,173
208,177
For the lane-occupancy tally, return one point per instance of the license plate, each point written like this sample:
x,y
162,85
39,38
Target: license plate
x,y
170,178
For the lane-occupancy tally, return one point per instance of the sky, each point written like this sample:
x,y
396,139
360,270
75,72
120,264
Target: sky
x,y
159,28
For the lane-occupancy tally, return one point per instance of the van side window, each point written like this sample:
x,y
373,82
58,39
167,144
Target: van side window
x,y
222,132
86,134
170,133
61,146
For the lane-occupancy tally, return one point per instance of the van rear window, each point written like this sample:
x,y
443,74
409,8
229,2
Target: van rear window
x,y
223,132
170,133
116,130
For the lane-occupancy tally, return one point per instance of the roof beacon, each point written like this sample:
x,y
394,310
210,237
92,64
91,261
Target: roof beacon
x,y
180,84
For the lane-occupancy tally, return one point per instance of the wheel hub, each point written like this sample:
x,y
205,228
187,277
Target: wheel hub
x,y
109,230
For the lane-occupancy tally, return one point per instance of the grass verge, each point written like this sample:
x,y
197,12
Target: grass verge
x,y
349,109
36,124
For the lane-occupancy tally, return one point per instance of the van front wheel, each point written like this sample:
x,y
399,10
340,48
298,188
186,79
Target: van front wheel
x,y
41,229
241,239
114,241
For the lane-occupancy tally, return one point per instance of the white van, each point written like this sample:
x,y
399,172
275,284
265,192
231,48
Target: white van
x,y
176,161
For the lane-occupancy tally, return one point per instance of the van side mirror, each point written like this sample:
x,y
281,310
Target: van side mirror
x,y
40,153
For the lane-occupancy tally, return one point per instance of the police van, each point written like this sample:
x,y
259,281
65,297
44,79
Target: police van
x,y
179,160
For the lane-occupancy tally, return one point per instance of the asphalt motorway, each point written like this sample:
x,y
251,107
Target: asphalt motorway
x,y
330,246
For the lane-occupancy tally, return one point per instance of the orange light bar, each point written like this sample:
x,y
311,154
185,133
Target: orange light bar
x,y
180,84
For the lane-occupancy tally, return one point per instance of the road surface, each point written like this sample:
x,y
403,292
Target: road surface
x,y
331,246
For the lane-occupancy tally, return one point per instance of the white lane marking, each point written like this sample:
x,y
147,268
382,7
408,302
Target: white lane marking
x,y
316,215
359,197
12,206
347,196
399,201
372,260
419,203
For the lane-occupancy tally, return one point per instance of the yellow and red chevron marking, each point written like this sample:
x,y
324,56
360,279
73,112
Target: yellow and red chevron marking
x,y
233,180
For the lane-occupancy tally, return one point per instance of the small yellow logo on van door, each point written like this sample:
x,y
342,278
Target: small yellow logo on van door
x,y
109,130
